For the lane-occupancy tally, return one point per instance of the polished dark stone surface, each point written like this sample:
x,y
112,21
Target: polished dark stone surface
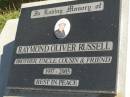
x,y
86,27
5,66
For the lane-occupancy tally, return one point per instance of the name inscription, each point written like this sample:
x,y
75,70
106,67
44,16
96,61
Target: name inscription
x,y
69,47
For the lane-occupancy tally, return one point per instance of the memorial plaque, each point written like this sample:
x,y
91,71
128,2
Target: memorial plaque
x,y
68,47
